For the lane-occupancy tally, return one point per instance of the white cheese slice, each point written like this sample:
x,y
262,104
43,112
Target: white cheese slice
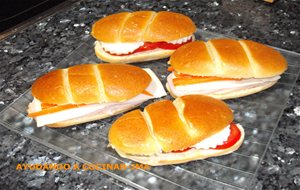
x,y
120,48
214,140
182,40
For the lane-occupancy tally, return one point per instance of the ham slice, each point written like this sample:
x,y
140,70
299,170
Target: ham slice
x,y
217,87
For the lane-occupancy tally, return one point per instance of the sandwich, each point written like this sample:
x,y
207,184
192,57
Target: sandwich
x,y
128,37
224,68
90,92
190,128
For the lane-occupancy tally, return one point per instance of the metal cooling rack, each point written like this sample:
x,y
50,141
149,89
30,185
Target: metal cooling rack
x,y
258,113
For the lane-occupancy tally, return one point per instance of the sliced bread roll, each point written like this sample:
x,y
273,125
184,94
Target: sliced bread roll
x,y
166,132
141,36
228,58
91,83
224,68
89,92
147,26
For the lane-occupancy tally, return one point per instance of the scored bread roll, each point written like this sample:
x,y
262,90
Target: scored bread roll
x,y
147,26
229,59
165,127
90,92
224,68
141,36
91,83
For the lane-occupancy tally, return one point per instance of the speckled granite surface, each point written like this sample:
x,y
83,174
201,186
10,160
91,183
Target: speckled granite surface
x,y
40,47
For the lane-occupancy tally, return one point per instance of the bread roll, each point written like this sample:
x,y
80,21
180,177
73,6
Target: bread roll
x,y
91,83
167,126
147,26
228,58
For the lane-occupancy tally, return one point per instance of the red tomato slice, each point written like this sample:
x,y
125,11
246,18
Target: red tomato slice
x,y
153,45
235,135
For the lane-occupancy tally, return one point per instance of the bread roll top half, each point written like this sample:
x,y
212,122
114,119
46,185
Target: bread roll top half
x,y
204,115
265,61
228,58
91,83
172,126
147,26
167,127
130,134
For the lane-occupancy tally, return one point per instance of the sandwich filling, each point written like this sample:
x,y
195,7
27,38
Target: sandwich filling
x,y
224,139
46,114
221,140
123,49
180,85
215,140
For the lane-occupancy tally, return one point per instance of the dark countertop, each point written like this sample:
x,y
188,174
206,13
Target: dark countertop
x,y
17,11
38,48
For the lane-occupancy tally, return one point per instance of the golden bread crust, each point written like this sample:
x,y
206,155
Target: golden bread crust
x,y
185,60
135,26
122,82
167,127
134,138
266,61
108,28
145,26
84,84
168,26
204,115
231,59
51,88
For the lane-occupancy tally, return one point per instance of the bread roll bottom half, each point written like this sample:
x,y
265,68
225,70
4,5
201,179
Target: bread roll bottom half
x,y
190,128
